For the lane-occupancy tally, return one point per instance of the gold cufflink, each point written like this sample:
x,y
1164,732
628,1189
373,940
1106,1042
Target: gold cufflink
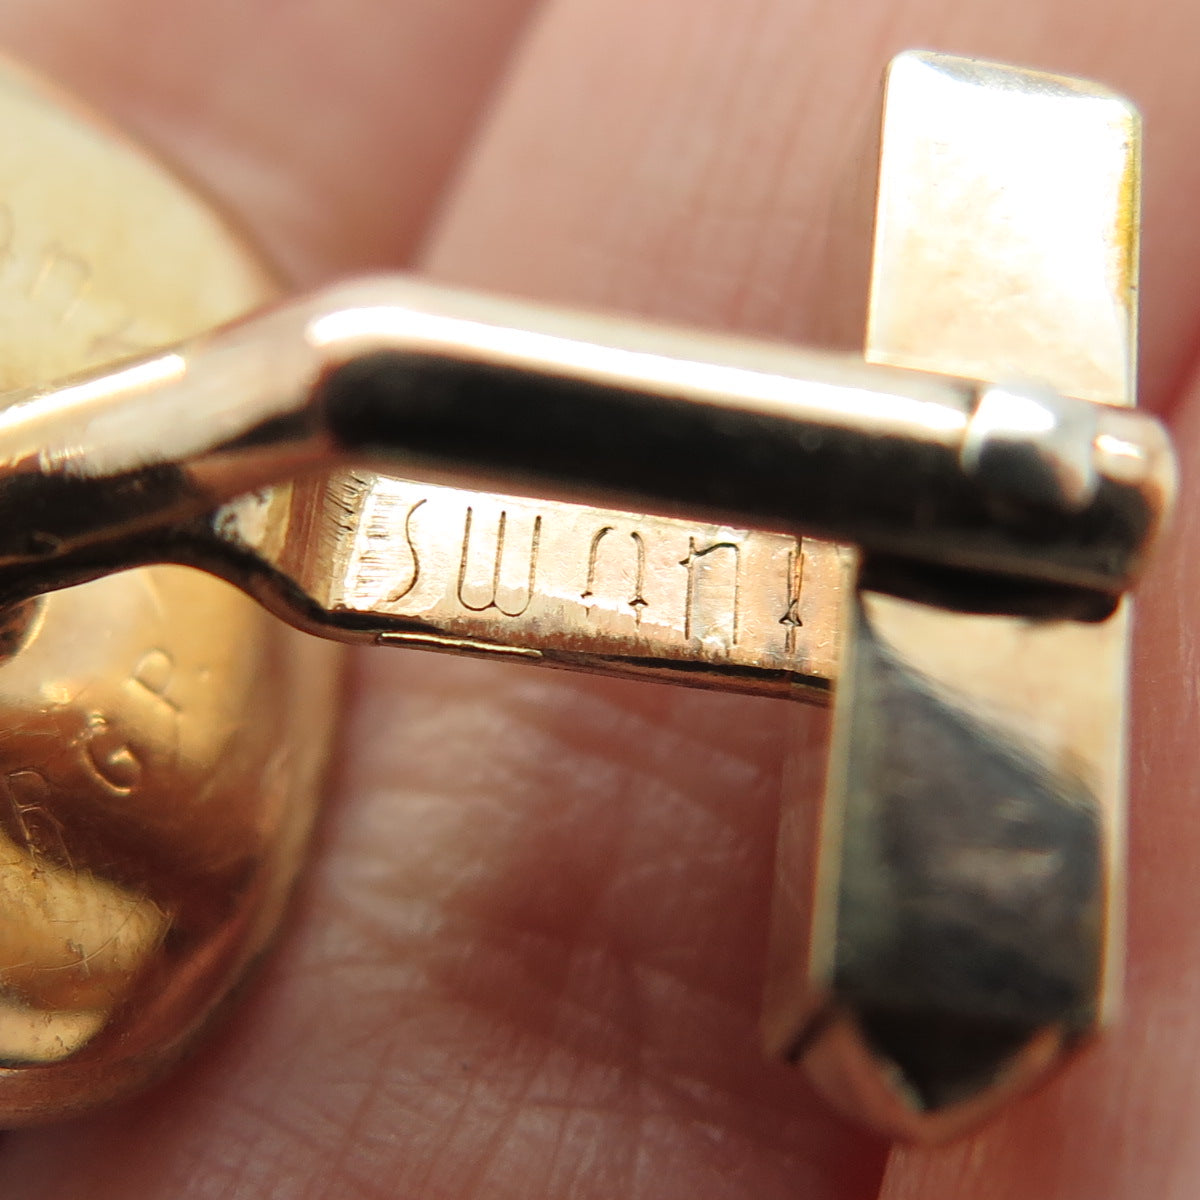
x,y
935,530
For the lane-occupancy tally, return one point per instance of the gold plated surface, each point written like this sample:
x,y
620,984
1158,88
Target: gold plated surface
x,y
986,498
161,739
592,492
577,586
968,919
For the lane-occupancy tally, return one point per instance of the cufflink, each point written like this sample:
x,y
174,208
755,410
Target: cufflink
x,y
931,527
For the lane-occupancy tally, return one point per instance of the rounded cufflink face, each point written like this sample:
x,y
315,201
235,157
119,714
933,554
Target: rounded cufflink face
x,y
162,739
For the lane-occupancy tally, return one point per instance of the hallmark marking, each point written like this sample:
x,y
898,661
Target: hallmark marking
x,y
32,825
492,600
703,578
58,282
61,280
109,759
791,619
394,597
580,586
638,600
153,675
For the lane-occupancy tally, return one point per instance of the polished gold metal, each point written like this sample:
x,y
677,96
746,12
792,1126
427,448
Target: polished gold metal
x,y
941,533
967,926
983,497
161,739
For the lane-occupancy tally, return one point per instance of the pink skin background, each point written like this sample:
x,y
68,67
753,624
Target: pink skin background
x,y
527,961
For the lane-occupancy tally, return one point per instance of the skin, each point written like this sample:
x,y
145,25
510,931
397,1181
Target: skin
x,y
527,960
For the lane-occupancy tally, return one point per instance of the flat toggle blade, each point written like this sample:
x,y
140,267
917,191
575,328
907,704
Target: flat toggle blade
x,y
965,928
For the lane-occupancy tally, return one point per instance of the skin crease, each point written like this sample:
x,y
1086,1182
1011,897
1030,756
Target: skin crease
x,y
526,962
